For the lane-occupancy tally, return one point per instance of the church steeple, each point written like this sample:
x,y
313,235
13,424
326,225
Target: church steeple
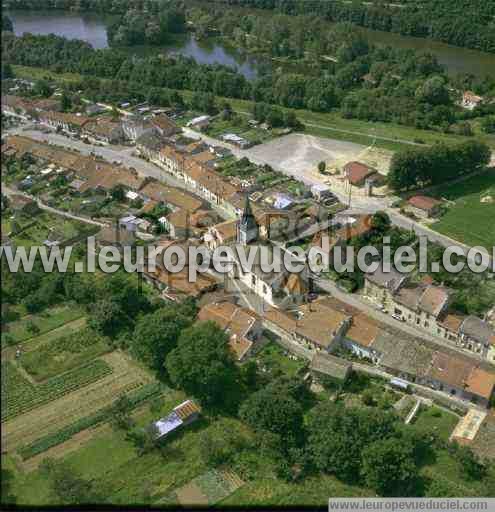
x,y
248,228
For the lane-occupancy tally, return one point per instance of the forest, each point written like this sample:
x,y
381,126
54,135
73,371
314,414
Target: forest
x,y
360,84
465,23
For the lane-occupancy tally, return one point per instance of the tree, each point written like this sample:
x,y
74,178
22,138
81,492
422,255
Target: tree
x,y
219,444
120,413
107,317
389,467
322,166
7,25
156,335
7,498
118,193
66,102
337,436
202,365
275,411
42,88
144,440
470,465
68,486
434,91
488,124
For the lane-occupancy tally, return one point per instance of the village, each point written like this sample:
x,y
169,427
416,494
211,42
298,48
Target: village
x,y
61,183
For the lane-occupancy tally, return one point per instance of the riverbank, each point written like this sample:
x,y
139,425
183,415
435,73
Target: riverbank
x,y
388,136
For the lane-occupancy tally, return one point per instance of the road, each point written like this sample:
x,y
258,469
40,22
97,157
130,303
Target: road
x,y
126,156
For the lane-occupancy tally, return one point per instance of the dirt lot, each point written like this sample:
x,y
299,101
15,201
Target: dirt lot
x,y
298,155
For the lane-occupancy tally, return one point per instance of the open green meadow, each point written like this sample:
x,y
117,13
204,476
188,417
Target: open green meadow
x,y
470,217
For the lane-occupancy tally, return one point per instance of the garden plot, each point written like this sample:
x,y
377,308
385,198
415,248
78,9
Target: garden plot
x,y
121,376
206,489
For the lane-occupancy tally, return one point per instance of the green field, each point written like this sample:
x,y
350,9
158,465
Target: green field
x,y
274,359
469,220
19,395
48,320
63,354
435,420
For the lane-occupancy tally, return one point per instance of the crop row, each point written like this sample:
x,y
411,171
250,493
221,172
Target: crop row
x,y
136,398
20,396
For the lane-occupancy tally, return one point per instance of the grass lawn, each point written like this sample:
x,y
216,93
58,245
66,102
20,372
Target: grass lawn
x,y
469,220
273,358
51,318
435,420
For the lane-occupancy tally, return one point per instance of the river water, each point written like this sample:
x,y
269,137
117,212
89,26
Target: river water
x,y
92,28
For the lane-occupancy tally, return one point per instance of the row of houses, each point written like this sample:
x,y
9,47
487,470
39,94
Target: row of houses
x,y
326,326
427,306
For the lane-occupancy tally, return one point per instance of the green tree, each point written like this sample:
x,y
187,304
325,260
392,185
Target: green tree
x,y
42,88
275,411
66,102
322,166
388,467
156,335
337,437
202,365
107,317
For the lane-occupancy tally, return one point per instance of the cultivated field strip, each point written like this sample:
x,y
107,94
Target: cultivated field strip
x,y
59,413
20,395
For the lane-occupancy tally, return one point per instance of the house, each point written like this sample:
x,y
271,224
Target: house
x,y
134,126
423,207
357,174
221,234
243,326
318,326
476,335
103,130
360,336
236,140
16,106
184,224
460,377
182,415
68,123
135,224
149,145
164,126
380,286
171,197
470,100
47,104
321,192
199,123
422,305
326,367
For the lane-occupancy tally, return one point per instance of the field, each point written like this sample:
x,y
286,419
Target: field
x,y
275,360
52,318
468,219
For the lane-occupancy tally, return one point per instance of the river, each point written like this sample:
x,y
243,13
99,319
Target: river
x,y
92,28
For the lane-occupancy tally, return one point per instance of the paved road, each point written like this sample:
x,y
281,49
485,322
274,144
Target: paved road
x,y
126,155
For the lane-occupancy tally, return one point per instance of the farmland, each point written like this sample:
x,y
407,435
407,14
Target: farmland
x,y
469,218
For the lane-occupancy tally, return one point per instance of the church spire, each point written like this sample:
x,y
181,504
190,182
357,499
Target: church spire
x,y
248,227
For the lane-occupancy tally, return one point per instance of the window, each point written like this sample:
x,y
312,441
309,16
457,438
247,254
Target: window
x,y
253,280
265,289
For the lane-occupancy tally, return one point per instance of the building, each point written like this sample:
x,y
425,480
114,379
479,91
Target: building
x,y
243,326
423,207
248,229
470,100
359,175
172,197
184,414
326,367
236,140
103,130
185,225
380,286
476,335
135,126
164,126
71,124
221,234
360,336
199,123
149,145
